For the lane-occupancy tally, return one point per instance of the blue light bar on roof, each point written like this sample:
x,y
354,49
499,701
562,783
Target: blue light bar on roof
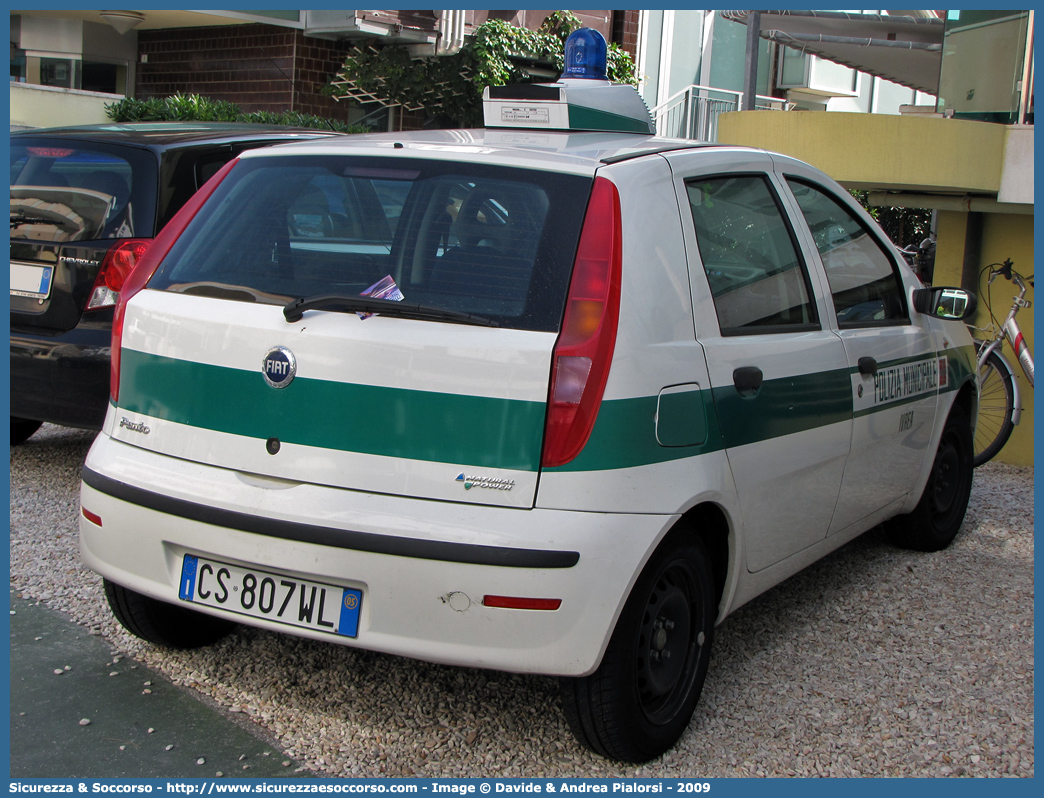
x,y
585,55
582,99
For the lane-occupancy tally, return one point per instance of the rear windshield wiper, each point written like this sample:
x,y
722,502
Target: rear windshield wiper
x,y
19,220
293,311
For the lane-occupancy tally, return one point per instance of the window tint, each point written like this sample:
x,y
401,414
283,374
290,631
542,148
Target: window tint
x,y
183,171
491,241
752,265
206,168
863,279
65,191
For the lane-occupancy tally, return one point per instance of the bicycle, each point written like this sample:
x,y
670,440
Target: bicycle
x,y
1000,407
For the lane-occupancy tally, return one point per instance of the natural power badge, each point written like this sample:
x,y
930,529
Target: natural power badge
x,y
490,483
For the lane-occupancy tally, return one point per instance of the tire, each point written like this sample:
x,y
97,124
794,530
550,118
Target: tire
x,y
22,429
642,697
996,404
166,625
938,516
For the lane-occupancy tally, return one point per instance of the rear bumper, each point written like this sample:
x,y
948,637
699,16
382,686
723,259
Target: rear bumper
x,y
62,379
423,566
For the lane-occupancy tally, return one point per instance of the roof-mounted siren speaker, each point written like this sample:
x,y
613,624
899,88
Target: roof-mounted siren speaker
x,y
581,99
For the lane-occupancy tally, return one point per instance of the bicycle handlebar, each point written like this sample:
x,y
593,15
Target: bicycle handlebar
x,y
1003,269
1007,271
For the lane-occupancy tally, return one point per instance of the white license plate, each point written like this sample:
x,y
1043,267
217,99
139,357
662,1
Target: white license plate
x,y
274,597
28,279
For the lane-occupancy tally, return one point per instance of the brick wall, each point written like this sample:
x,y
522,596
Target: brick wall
x,y
625,31
318,60
258,67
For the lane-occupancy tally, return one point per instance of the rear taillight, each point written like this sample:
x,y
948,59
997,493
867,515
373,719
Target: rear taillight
x,y
118,263
146,266
584,350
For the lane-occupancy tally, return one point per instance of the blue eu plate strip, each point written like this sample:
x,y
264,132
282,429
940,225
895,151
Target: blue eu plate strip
x,y
45,280
188,578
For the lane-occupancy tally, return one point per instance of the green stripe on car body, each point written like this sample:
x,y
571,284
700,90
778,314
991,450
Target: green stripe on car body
x,y
784,406
963,365
392,422
959,365
624,435
480,431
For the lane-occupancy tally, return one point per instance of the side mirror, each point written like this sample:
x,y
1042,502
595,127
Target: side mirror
x,y
952,304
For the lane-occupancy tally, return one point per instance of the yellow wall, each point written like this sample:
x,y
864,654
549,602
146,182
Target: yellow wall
x,y
1003,236
879,150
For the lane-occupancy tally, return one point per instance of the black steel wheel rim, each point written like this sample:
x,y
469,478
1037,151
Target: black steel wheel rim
x,y
669,642
946,479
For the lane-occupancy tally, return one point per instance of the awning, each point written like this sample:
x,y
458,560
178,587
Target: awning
x,y
904,50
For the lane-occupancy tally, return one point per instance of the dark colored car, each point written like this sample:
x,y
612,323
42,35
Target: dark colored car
x,y
85,204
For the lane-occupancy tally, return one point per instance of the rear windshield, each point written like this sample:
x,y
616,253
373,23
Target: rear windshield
x,y
65,191
492,241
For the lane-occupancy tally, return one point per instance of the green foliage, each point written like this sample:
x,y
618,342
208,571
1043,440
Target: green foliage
x,y
177,108
496,54
195,108
906,227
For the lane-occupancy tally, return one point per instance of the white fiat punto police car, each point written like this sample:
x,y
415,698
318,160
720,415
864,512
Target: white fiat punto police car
x,y
522,398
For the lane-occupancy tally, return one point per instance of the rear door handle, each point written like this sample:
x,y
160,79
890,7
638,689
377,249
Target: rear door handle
x,y
867,366
747,380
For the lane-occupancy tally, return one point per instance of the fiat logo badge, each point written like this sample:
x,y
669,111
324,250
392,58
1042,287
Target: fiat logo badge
x,y
279,367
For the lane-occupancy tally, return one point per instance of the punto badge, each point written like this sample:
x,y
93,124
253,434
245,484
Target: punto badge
x,y
279,367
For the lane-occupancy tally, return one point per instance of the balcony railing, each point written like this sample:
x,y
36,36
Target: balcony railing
x,y
693,112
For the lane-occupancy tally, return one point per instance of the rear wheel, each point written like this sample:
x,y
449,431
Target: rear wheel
x,y
22,429
641,698
166,625
996,404
938,516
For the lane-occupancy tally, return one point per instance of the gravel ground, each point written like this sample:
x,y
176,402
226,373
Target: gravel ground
x,y
873,662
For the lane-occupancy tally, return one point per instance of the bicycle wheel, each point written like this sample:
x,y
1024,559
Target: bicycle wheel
x,y
996,402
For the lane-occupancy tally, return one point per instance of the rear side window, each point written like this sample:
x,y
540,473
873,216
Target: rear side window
x,y
756,276
496,242
64,191
863,280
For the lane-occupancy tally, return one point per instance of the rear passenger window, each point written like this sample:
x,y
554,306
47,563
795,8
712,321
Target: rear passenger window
x,y
863,279
753,267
